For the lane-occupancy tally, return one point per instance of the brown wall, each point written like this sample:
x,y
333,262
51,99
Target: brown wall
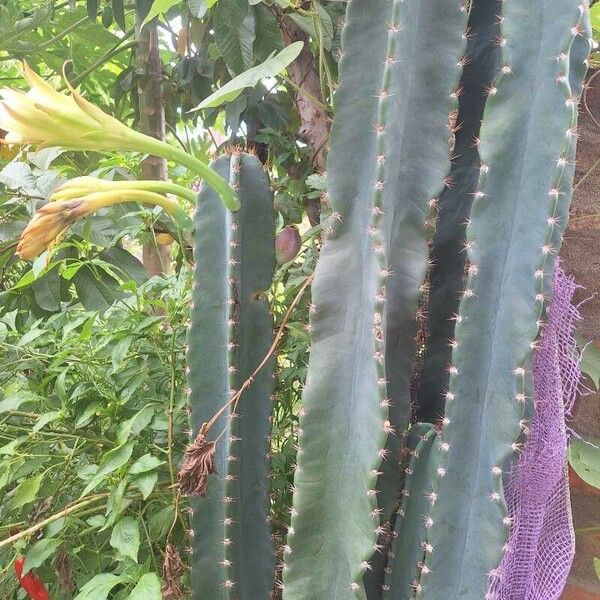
x,y
581,254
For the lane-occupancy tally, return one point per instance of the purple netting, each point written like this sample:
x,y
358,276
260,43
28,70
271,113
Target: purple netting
x,y
541,542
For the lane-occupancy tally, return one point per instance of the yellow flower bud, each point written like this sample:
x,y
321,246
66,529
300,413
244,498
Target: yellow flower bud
x,y
53,218
47,118
46,225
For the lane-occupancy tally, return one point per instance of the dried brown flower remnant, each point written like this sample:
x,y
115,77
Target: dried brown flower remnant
x,y
198,464
48,222
63,572
173,569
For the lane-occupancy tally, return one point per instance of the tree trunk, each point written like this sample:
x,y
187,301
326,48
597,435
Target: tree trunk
x,y
156,257
315,122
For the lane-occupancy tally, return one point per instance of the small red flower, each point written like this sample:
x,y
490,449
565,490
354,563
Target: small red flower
x,y
31,583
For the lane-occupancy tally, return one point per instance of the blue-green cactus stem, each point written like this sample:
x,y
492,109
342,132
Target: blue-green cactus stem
x,y
446,279
231,332
409,543
525,138
398,58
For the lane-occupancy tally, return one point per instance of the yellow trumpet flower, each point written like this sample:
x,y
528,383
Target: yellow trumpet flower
x,y
53,218
47,118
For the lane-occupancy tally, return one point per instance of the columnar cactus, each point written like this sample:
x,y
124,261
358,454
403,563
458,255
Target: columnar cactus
x,y
230,333
400,70
512,237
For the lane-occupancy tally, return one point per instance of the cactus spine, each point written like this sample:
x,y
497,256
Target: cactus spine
x,y
513,223
230,333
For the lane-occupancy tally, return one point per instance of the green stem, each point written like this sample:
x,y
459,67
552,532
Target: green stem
x,y
75,189
158,148
108,197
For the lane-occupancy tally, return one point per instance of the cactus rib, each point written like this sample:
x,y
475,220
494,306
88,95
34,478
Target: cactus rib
x,y
409,541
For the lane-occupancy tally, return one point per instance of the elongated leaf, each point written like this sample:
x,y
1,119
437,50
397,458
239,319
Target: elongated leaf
x,y
114,459
125,537
271,67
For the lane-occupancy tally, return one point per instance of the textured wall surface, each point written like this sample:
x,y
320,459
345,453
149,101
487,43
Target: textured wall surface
x,y
582,259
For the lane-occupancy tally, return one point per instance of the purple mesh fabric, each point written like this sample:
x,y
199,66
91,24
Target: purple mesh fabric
x,y
541,542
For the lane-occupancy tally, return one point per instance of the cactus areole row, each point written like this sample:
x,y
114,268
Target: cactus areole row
x,y
450,175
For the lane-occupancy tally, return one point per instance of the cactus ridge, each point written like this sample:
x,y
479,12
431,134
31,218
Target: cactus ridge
x,y
409,540
344,412
446,276
230,333
509,256
578,66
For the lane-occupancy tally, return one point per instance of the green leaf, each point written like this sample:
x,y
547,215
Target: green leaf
x,y
127,266
590,359
119,351
15,399
160,522
147,588
9,449
125,537
31,335
269,38
119,13
271,67
234,32
597,567
584,457
96,292
46,418
99,587
158,7
595,16
137,423
114,459
92,9
26,492
145,463
198,8
88,412
39,552
146,482
47,291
